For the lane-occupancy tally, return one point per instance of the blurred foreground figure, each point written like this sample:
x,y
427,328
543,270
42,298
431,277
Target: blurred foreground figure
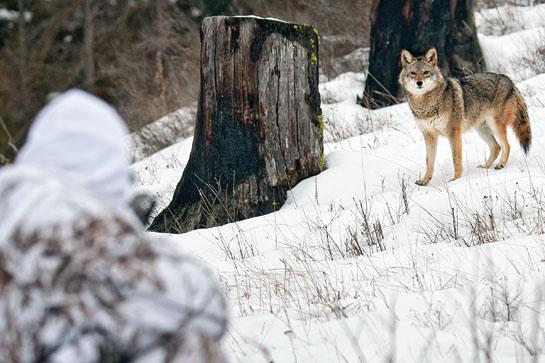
x,y
79,280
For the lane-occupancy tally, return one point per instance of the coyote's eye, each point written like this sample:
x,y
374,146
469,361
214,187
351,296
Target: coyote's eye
x,y
426,73
413,74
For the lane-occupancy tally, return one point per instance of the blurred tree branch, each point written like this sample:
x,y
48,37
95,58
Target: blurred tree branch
x,y
88,45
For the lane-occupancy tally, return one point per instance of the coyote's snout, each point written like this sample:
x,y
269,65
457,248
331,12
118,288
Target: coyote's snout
x,y
487,102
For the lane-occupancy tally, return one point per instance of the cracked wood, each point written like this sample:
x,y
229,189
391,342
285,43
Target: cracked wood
x,y
259,124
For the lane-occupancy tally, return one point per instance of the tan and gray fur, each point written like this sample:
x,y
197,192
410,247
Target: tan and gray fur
x,y
486,102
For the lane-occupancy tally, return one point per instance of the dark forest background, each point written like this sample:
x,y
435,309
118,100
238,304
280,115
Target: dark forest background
x,y
142,56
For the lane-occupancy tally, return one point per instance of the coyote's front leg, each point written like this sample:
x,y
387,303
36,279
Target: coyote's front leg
x,y
455,140
431,149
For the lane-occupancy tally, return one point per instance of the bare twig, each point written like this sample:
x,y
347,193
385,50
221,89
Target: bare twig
x,y
11,142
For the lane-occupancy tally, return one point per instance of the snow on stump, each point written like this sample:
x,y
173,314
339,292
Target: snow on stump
x,y
259,128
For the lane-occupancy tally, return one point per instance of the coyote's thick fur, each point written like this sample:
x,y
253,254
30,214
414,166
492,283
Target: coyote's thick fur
x,y
487,102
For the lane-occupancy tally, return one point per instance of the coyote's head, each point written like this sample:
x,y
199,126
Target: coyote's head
x,y
419,75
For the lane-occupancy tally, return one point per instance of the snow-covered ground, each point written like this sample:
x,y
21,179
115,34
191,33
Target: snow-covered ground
x,y
161,133
360,264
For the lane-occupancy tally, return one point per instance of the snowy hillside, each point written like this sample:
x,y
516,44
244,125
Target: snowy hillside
x,y
360,264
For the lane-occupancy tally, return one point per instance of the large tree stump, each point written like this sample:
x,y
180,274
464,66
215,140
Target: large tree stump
x,y
447,25
259,127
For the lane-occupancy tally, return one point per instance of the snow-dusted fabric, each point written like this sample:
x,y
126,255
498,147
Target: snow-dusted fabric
x,y
79,279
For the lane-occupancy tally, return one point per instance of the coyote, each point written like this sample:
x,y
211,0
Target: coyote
x,y
487,102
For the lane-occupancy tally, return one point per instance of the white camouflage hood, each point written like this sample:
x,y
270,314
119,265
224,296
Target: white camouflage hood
x,y
75,146
81,136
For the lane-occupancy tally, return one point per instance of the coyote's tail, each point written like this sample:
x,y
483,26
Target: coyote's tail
x,y
521,124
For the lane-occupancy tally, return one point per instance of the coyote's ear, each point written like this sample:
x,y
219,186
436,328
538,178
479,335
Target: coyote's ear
x,y
431,56
406,58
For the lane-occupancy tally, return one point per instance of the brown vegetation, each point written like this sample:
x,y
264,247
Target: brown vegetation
x,y
140,55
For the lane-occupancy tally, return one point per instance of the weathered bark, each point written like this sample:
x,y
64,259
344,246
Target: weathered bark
x,y
447,25
259,124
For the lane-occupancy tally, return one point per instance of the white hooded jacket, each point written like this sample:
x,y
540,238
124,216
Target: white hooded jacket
x,y
74,148
79,280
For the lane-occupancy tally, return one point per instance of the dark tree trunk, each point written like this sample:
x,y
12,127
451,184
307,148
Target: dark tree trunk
x,y
259,123
447,25
24,94
88,45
